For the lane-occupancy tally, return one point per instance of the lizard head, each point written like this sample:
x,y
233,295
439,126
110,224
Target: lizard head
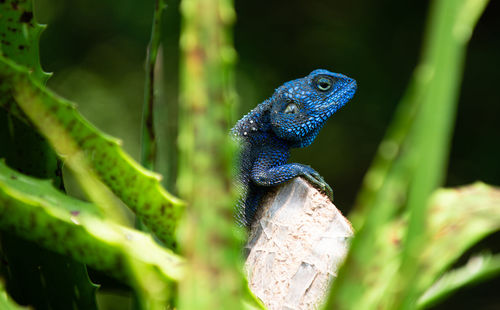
x,y
300,108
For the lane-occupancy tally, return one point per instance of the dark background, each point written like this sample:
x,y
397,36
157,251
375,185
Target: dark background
x,y
96,50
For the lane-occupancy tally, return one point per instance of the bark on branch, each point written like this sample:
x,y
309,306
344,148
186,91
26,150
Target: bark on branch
x,y
295,247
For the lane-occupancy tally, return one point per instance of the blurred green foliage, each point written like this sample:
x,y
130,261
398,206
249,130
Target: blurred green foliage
x,y
97,49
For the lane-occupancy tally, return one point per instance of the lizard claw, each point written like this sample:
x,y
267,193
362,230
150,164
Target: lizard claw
x,y
317,181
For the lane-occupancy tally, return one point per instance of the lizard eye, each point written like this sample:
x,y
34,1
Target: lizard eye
x,y
292,108
324,83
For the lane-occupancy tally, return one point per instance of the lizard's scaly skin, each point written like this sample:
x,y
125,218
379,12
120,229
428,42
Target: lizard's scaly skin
x,y
291,118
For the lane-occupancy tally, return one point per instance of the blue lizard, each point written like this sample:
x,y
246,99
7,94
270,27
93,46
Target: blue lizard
x,y
291,118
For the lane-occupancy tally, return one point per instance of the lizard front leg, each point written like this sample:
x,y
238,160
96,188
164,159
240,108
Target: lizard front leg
x,y
264,175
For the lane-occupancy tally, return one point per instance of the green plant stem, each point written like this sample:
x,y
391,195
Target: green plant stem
x,y
149,142
206,158
444,55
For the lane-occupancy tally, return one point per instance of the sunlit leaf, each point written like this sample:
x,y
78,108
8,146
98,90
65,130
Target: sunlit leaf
x,y
139,188
36,211
478,268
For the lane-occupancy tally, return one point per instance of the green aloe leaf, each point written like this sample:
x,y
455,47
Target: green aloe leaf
x,y
34,275
6,302
457,219
33,209
139,188
478,268
19,34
